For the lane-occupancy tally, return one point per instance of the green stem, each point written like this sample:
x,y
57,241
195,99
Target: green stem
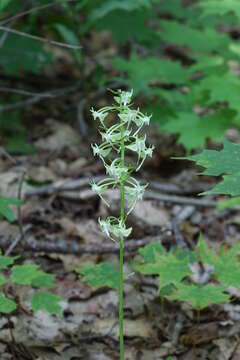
x,y
122,215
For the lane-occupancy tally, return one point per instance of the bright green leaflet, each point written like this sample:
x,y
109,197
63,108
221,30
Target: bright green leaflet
x,y
225,161
4,4
46,301
200,297
226,266
2,280
6,305
29,274
193,129
20,53
43,280
150,251
220,7
152,68
103,274
5,209
6,261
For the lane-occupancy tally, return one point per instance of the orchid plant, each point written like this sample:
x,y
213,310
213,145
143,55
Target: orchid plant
x,y
123,135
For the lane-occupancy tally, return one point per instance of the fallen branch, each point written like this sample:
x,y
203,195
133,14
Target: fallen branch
x,y
62,246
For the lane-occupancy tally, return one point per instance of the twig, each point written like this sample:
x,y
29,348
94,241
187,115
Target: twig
x,y
177,329
184,215
16,242
41,39
8,156
37,8
62,246
23,92
37,98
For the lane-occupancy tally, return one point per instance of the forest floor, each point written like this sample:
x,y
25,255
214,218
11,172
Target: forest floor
x,y
59,231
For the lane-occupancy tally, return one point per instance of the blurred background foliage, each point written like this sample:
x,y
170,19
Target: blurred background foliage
x,y
180,57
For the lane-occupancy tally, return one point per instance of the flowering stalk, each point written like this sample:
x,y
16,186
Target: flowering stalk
x,y
122,136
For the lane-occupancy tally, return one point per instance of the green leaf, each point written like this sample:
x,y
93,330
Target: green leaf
x,y
193,130
24,274
170,268
17,145
2,280
200,297
4,4
6,306
43,280
22,54
150,251
6,261
229,203
70,38
143,72
103,274
225,161
111,5
220,7
195,39
5,209
46,301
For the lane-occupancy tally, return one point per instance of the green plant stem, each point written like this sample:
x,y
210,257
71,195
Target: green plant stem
x,y
122,215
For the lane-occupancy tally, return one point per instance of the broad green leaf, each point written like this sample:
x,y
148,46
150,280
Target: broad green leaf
x,y
108,6
5,209
193,130
17,144
229,203
4,4
220,7
46,301
6,306
103,274
70,38
195,39
2,280
221,88
200,297
225,161
6,261
24,274
22,54
143,72
149,251
43,280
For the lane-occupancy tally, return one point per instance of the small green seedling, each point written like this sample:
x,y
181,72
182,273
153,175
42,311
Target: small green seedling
x,y
28,275
5,210
123,135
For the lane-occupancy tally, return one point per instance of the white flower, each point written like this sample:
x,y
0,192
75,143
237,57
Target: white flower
x,y
115,170
134,193
99,115
114,228
100,151
124,97
105,227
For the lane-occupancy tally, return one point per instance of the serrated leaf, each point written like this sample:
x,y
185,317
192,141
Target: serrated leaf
x,y
43,280
103,274
6,305
22,54
2,280
24,274
220,7
200,297
6,261
149,251
5,209
142,72
225,161
193,130
46,301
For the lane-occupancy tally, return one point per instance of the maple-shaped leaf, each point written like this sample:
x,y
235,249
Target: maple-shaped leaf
x,y
24,274
2,280
225,161
170,268
43,280
103,274
220,7
46,301
5,209
6,305
149,251
193,130
200,297
6,261
29,274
